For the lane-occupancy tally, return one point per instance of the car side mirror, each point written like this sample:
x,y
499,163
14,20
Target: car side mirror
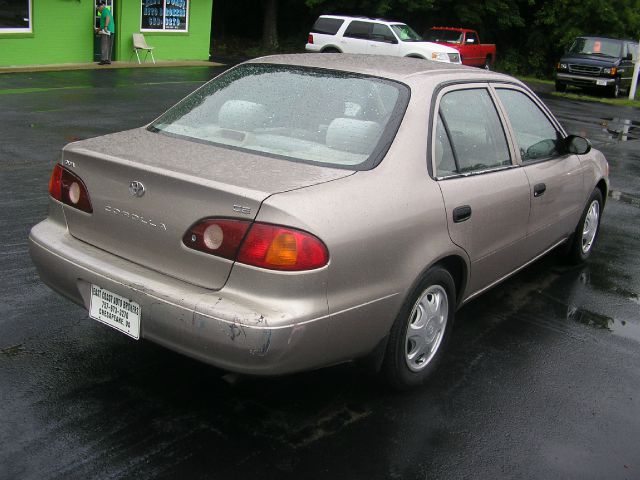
x,y
629,56
577,145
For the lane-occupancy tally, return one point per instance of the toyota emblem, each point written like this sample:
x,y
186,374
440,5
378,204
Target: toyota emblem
x,y
136,189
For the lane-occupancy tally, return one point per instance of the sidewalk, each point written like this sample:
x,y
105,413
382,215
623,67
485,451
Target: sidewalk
x,y
114,65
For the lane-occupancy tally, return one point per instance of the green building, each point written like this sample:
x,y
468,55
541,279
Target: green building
x,y
44,32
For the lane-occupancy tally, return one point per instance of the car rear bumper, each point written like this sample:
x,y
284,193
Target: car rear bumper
x,y
311,47
224,329
584,81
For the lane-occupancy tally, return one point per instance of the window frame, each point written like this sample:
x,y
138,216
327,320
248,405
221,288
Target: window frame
x,y
338,21
632,48
435,113
376,37
366,36
543,109
472,35
28,29
164,16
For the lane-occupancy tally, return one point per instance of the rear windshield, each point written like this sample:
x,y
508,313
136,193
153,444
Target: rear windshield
x,y
318,116
328,26
597,46
446,36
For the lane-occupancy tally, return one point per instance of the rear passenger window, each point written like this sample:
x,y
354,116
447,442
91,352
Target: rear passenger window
x,y
328,26
445,162
358,30
536,136
471,122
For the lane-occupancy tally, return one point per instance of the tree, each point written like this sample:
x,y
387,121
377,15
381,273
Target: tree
x,y
374,8
270,25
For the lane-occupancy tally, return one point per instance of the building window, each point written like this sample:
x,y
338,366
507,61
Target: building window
x,y
165,15
15,16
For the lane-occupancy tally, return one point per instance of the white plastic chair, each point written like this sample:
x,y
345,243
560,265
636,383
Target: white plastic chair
x,y
139,43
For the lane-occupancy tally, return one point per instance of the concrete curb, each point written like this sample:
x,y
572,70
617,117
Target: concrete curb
x,y
114,65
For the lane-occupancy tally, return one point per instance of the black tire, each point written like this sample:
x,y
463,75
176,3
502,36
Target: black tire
x,y
487,63
330,50
561,87
435,287
584,239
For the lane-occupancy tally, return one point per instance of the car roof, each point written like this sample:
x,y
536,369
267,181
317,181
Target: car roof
x,y
394,68
453,29
604,37
363,18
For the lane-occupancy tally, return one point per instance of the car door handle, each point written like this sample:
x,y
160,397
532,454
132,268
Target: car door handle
x,y
539,189
462,213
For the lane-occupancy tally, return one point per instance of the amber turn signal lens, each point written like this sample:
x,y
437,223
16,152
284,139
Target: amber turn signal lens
x,y
283,251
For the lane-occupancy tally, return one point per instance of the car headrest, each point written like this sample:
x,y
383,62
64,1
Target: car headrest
x,y
242,115
351,135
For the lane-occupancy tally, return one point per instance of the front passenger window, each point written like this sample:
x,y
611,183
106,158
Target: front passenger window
x,y
536,136
382,33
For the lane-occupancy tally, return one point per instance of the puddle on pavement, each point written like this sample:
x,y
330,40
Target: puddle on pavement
x,y
625,197
620,328
621,129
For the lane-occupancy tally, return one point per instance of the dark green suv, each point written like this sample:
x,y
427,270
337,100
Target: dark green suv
x,y
597,62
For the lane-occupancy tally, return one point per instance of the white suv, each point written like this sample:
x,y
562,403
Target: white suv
x,y
338,34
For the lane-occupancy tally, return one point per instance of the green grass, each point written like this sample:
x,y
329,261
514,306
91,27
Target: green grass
x,y
535,80
583,97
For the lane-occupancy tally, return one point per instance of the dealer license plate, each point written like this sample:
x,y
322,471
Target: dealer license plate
x,y
601,83
116,311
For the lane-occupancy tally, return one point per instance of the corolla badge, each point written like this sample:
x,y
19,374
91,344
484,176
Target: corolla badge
x,y
136,189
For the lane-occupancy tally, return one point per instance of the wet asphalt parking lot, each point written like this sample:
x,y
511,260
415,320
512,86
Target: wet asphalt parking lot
x,y
542,379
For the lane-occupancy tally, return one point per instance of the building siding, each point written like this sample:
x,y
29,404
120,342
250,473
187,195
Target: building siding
x,y
62,32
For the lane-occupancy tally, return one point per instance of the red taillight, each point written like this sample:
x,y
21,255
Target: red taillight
x,y
267,246
310,39
66,187
55,182
219,237
282,248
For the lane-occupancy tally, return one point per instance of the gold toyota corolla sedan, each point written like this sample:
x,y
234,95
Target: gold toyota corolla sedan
x,y
299,211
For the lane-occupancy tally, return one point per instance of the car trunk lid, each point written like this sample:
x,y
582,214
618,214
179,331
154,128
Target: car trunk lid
x,y
183,182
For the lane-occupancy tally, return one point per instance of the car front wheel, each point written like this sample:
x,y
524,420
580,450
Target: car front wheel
x,y
421,331
561,87
587,230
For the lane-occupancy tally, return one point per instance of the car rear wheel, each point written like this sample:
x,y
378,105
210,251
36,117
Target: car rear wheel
x,y
421,331
587,230
487,63
330,50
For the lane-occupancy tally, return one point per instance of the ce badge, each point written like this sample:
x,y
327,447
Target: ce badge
x,y
136,189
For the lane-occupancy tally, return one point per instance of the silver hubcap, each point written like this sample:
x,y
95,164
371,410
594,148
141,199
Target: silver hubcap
x,y
425,331
590,226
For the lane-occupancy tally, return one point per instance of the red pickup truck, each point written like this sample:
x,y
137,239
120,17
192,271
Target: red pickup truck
x,y
467,42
